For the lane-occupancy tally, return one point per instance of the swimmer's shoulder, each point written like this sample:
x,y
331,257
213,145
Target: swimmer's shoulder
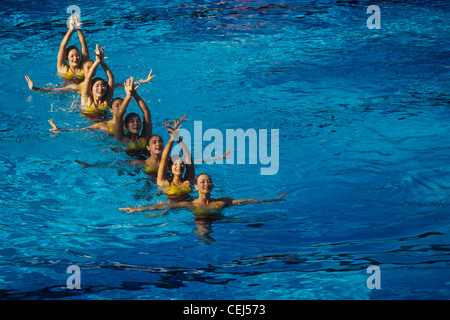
x,y
222,201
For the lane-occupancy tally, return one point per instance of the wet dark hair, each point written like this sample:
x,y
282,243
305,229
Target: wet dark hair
x,y
129,116
84,62
201,174
112,101
154,135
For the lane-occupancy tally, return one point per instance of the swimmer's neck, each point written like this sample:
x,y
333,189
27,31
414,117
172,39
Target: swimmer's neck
x,y
177,179
97,100
155,155
75,70
203,199
154,158
133,136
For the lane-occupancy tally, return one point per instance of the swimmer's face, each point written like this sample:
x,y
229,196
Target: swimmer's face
x,y
155,145
178,167
115,106
134,125
204,183
99,88
74,58
87,66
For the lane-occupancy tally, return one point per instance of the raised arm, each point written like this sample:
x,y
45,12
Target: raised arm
x,y
86,93
84,47
119,134
174,136
190,169
61,60
174,132
110,76
162,177
147,126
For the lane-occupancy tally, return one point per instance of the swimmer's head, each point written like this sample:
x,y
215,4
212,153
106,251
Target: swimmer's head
x,y
73,56
87,65
203,183
115,105
99,87
155,144
176,165
133,123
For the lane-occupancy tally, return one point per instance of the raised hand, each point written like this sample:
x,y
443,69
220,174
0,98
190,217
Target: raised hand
x,y
149,77
176,123
54,126
130,86
77,22
30,83
72,22
99,53
175,130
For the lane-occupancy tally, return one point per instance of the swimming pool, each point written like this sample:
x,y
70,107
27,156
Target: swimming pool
x,y
364,152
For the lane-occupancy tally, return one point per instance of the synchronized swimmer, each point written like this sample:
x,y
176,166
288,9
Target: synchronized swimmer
x,y
204,204
175,175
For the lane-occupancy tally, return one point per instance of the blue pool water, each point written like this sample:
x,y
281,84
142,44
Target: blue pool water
x,y
364,147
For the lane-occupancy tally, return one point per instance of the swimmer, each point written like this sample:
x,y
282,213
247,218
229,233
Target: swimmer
x,y
177,187
204,204
205,209
96,93
155,148
151,164
135,140
77,87
69,60
106,126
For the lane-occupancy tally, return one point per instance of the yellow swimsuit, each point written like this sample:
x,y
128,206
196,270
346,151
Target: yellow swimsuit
x,y
110,129
140,145
177,191
150,169
203,211
70,76
93,111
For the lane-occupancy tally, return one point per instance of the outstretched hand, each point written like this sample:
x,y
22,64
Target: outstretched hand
x,y
149,77
281,196
30,83
226,154
129,209
54,126
84,164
